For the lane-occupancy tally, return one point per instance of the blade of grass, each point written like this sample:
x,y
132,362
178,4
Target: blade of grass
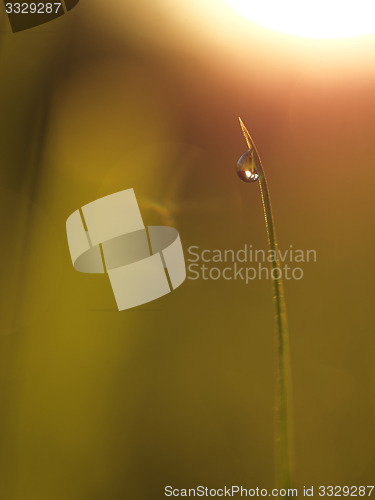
x,y
283,446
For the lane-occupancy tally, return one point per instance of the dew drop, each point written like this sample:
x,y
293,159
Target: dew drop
x,y
246,169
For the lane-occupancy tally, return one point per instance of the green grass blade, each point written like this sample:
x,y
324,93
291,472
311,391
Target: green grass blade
x,y
283,426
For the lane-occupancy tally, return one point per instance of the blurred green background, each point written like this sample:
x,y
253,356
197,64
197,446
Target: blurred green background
x,y
98,404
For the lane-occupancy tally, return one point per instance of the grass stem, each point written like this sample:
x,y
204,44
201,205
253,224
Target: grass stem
x,y
283,446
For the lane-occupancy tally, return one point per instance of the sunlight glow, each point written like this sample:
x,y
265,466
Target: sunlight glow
x,y
307,18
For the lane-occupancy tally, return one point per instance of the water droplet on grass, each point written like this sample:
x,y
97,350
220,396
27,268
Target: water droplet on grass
x,y
246,169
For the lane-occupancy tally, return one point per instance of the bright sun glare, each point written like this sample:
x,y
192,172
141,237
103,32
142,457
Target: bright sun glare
x,y
311,18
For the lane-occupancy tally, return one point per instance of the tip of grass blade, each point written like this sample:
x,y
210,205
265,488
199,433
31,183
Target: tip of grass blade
x,y
250,143
247,136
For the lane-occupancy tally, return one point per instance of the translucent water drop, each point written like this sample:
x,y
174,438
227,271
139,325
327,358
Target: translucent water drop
x,y
246,169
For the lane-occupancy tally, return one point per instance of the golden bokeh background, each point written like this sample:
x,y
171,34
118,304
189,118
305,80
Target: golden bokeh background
x,y
97,404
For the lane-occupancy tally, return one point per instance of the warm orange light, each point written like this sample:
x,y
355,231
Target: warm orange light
x,y
311,18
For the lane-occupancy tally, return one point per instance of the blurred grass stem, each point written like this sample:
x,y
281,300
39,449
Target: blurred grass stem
x,y
283,374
